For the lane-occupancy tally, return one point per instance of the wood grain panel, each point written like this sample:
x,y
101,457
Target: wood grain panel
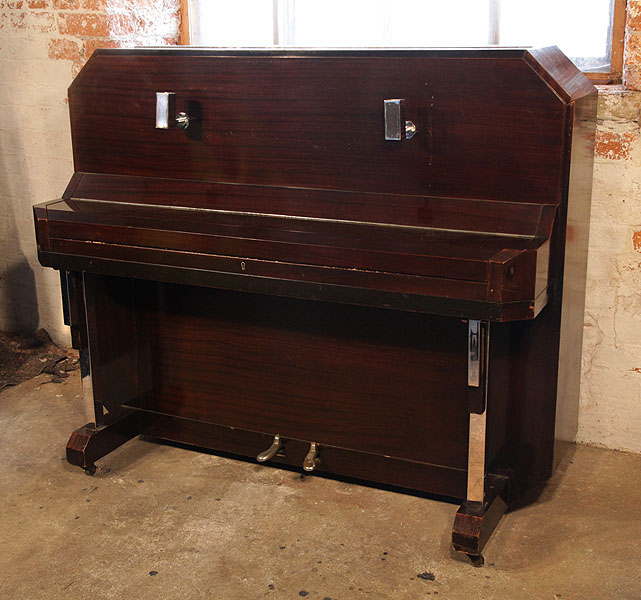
x,y
376,381
334,461
515,217
317,122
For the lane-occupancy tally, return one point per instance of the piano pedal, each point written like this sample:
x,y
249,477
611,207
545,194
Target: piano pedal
x,y
312,460
273,450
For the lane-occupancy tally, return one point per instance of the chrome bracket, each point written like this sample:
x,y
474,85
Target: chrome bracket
x,y
396,127
312,459
272,451
478,338
473,353
164,100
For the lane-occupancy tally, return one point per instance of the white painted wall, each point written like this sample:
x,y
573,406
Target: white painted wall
x,y
35,166
610,412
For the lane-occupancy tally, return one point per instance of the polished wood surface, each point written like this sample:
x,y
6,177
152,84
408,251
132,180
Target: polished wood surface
x,y
294,187
475,522
433,261
90,443
377,381
476,214
308,120
334,461
280,268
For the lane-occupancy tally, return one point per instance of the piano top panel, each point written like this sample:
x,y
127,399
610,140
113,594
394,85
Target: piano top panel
x,y
490,125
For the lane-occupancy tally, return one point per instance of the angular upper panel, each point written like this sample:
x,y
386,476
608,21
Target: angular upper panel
x,y
490,123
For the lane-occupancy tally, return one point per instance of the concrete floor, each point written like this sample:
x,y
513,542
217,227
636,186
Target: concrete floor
x,y
163,522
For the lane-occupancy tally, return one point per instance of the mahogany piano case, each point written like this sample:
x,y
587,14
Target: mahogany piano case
x,y
363,263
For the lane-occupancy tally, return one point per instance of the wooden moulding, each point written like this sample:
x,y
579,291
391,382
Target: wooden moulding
x,y
475,522
90,443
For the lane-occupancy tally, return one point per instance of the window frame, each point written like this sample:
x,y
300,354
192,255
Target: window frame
x,y
614,76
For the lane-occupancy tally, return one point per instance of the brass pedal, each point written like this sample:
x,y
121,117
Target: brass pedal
x,y
312,460
271,451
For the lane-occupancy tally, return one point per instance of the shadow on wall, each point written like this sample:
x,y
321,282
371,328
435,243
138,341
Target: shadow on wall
x,y
18,298
19,310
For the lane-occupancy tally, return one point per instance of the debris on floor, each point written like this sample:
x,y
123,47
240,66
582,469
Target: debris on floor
x,y
23,356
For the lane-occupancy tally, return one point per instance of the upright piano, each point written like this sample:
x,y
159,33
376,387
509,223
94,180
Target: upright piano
x,y
361,263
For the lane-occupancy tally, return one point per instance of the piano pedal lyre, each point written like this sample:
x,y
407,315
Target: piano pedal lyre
x,y
312,460
273,450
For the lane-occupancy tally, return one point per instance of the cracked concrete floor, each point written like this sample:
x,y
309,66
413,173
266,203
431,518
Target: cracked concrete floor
x,y
164,522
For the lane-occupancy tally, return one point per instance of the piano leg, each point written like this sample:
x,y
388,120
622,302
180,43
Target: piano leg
x,y
90,443
475,521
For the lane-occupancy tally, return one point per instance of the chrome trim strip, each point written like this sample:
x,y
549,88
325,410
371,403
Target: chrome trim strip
x,y
393,109
162,109
88,400
476,458
474,353
478,429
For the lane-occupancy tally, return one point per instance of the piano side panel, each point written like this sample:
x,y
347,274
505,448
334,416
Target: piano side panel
x,y
535,365
384,382
317,122
575,272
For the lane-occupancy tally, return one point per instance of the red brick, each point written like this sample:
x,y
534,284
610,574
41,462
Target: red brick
x,y
93,44
633,22
89,24
632,77
94,4
614,145
38,3
61,49
42,22
636,241
66,4
131,23
11,4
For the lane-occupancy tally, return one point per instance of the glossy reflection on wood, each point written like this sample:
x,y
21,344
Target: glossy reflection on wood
x,y
280,268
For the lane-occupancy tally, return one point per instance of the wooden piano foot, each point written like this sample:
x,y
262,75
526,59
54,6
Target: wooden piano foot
x,y
475,522
89,443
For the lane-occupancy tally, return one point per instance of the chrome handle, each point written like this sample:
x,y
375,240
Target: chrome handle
x,y
164,100
311,460
396,127
182,120
271,451
474,353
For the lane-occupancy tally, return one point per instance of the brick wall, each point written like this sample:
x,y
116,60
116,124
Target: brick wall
x,y
610,413
632,54
43,44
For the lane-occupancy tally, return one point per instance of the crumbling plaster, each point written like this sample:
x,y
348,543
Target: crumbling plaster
x,y
610,412
43,43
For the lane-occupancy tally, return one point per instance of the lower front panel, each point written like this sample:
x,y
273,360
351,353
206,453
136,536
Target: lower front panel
x,y
371,380
386,388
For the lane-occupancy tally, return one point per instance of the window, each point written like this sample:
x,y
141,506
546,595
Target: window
x,y
588,31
